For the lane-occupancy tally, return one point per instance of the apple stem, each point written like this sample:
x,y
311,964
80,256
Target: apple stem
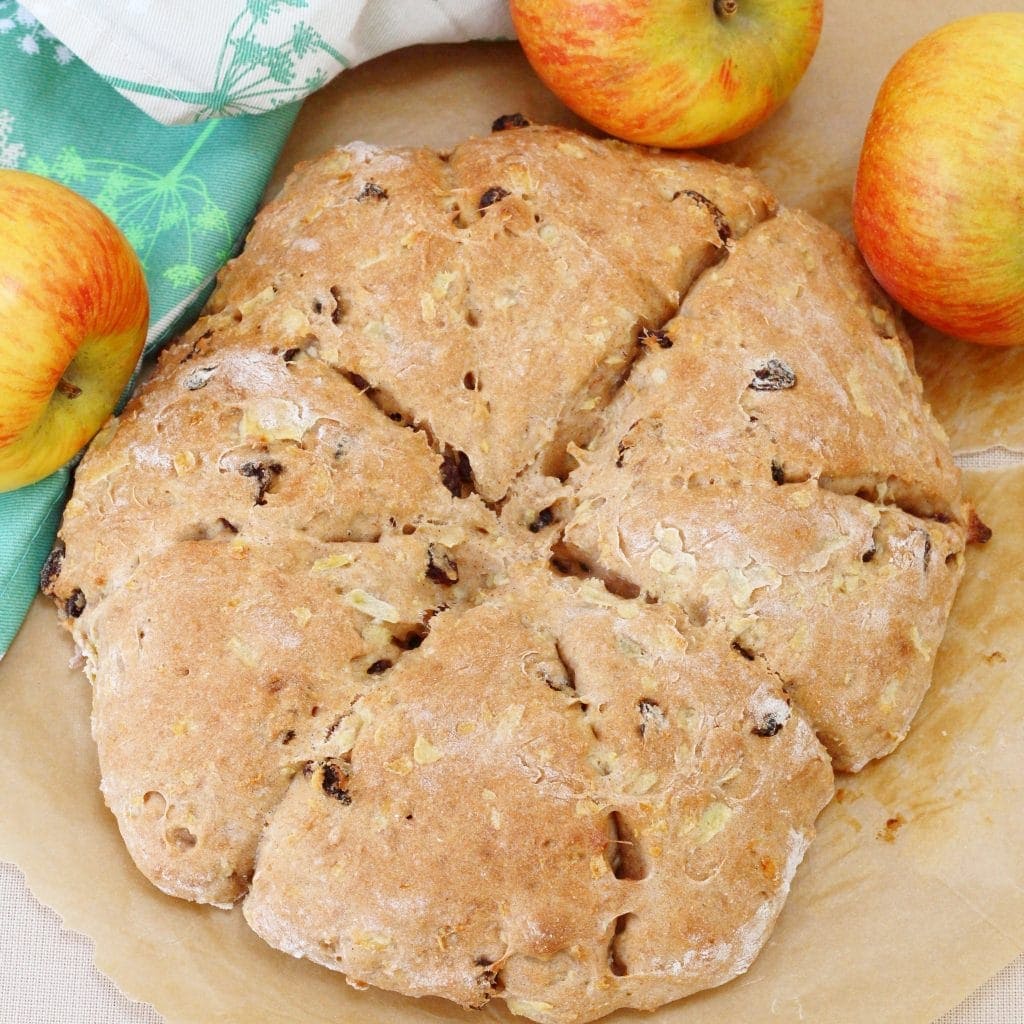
x,y
67,389
726,8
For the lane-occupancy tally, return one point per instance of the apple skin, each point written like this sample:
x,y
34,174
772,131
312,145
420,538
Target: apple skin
x,y
73,312
673,73
939,201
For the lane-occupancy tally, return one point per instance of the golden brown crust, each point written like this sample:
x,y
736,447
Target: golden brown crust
x,y
769,470
397,259
321,569
554,804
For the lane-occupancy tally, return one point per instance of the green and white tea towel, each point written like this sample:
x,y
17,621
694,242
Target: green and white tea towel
x,y
192,59
80,84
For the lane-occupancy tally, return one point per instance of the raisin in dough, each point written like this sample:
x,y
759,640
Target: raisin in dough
x,y
486,588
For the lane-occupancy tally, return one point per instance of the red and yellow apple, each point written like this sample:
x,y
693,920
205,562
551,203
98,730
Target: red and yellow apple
x,y
675,73
73,316
939,201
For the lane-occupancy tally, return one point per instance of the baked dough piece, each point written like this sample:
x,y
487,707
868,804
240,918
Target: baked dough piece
x,y
466,590
493,292
569,808
731,474
799,576
233,436
221,667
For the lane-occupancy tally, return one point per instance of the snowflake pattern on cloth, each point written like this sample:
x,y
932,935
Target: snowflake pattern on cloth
x,y
10,152
32,37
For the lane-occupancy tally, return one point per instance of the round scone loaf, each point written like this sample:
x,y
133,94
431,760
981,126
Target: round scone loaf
x,y
485,589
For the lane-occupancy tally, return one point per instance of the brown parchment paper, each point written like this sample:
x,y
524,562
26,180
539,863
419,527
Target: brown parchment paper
x,y
912,895
976,391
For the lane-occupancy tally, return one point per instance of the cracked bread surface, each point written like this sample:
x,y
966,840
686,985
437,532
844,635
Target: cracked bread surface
x,y
481,590
569,808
